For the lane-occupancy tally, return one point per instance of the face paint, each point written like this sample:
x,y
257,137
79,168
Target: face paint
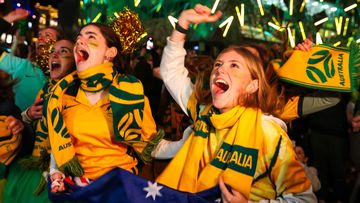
x,y
61,59
93,43
91,48
66,57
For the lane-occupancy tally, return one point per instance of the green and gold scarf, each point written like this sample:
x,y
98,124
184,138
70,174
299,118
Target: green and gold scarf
x,y
42,142
323,67
40,157
126,96
41,151
226,144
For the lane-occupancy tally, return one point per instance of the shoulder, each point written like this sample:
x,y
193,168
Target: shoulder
x,y
275,137
272,122
272,131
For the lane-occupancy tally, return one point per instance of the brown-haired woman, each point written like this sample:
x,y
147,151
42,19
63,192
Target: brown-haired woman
x,y
91,106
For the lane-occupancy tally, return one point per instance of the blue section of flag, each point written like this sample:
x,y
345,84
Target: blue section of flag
x,y
119,185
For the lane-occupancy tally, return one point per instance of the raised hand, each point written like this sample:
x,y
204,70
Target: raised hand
x,y
305,45
35,110
198,14
16,15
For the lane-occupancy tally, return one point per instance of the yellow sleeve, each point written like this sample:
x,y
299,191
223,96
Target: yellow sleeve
x,y
278,174
287,174
291,110
148,126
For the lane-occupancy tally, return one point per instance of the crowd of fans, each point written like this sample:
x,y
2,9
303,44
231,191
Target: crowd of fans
x,y
170,114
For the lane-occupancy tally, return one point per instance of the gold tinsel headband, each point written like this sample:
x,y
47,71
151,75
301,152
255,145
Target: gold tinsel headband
x,y
42,56
128,27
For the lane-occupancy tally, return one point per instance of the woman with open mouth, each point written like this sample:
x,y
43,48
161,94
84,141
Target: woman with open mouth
x,y
98,117
234,142
30,77
61,63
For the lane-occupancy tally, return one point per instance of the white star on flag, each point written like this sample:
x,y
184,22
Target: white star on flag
x,y
153,190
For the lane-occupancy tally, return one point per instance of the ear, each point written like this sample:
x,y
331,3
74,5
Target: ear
x,y
111,52
252,87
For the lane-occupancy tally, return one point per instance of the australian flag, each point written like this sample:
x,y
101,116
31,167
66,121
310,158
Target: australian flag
x,y
119,185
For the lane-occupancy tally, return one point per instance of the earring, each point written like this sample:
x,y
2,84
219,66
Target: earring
x,y
108,58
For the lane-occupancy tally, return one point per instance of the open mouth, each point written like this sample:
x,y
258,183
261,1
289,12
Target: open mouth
x,y
221,86
82,55
40,47
55,65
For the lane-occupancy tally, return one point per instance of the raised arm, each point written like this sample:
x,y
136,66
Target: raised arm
x,y
11,17
172,68
16,15
199,14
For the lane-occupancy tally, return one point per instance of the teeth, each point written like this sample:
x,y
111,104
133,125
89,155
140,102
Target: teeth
x,y
222,84
55,64
221,81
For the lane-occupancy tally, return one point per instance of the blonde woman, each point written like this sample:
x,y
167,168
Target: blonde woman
x,y
234,142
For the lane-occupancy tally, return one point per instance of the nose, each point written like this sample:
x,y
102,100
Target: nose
x,y
56,54
80,40
41,38
221,69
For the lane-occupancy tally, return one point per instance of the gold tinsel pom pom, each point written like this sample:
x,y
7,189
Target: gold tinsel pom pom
x,y
43,55
128,27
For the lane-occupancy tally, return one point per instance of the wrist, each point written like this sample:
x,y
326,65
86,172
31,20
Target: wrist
x,y
25,116
180,28
54,173
183,23
28,115
8,19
